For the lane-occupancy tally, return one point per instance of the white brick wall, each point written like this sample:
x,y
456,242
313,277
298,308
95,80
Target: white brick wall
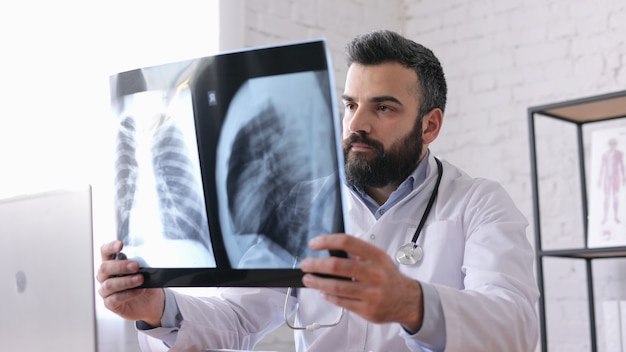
x,y
277,21
500,57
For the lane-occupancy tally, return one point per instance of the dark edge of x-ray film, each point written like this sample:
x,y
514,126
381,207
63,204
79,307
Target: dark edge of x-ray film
x,y
259,174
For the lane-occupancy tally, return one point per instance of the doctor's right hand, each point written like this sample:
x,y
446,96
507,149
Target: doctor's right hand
x,y
119,280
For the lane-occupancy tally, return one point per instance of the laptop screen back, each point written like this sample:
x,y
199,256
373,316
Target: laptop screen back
x,y
47,273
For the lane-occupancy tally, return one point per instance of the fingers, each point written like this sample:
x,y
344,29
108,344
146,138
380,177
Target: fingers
x,y
354,246
108,250
380,297
116,275
342,267
346,294
378,291
118,298
110,267
118,289
114,268
340,288
364,258
115,285
114,301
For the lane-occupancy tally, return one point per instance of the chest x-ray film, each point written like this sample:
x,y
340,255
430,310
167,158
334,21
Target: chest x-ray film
x,y
226,166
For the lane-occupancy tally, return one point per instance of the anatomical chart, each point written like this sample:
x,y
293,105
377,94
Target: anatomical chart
x,y
607,189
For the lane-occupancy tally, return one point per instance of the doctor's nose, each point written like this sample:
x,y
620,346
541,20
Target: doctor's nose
x,y
356,120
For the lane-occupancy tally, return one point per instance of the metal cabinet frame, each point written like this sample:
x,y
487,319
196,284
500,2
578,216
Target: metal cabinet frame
x,y
578,112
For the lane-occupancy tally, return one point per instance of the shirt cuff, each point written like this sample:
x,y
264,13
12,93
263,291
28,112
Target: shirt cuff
x,y
170,321
432,334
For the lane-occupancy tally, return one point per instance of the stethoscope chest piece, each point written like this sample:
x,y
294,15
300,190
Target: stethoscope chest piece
x,y
409,254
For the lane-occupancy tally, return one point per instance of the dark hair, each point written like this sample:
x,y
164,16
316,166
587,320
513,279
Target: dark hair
x,y
382,46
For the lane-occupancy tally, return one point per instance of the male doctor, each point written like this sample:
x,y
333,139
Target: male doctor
x,y
438,260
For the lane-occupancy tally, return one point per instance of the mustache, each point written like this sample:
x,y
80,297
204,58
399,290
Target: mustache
x,y
361,138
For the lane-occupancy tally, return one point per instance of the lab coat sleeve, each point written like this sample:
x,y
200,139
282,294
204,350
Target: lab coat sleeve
x,y
235,319
495,310
432,335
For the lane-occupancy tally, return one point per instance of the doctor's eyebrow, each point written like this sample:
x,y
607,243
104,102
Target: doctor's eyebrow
x,y
380,99
345,97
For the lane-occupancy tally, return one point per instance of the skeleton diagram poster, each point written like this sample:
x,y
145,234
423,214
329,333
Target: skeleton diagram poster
x,y
226,166
606,185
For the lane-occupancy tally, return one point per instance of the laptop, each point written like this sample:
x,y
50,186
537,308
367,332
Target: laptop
x,y
47,273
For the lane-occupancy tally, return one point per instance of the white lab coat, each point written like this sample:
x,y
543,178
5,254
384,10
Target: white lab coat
x,y
476,255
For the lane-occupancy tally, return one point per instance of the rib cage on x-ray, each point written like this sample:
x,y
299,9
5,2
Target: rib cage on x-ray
x,y
261,170
266,165
182,206
276,171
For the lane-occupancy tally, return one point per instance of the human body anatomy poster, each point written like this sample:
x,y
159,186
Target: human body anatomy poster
x,y
607,189
226,166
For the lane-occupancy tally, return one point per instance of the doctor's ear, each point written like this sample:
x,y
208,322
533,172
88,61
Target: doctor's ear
x,y
431,125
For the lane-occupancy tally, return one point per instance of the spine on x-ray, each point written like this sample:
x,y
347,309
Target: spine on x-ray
x,y
125,175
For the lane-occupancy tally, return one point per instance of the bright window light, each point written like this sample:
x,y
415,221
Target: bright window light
x,y
56,127
57,57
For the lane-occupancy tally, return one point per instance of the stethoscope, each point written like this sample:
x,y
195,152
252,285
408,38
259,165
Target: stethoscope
x,y
411,253
408,254
310,327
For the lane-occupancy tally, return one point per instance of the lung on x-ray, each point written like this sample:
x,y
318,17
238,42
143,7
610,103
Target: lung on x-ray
x,y
226,166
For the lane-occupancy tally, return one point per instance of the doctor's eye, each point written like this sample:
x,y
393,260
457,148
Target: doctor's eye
x,y
383,108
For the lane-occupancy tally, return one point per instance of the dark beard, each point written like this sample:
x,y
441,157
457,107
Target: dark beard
x,y
386,167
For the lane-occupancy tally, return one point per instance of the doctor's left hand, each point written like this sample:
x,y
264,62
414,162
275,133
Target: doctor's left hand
x,y
377,291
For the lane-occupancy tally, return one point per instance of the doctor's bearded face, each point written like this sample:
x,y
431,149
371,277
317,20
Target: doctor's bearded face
x,y
385,166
